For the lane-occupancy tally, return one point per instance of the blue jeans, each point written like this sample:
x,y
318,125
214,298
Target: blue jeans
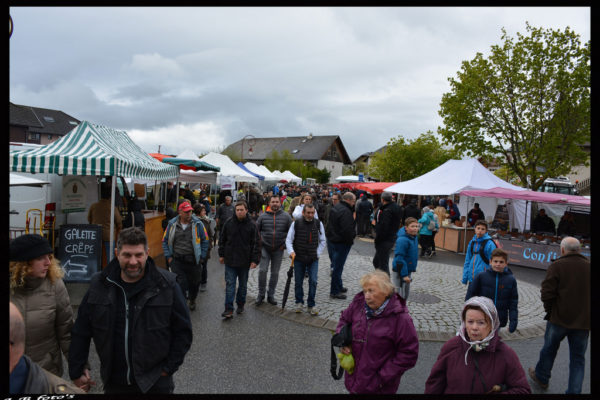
x,y
340,253
299,271
578,340
230,277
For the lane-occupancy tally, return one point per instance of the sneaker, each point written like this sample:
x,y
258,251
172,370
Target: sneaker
x,y
429,254
227,314
340,296
299,308
192,305
344,290
312,311
203,287
271,300
240,309
534,378
259,301
433,253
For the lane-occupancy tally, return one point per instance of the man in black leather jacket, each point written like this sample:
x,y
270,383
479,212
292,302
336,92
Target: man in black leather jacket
x,y
132,298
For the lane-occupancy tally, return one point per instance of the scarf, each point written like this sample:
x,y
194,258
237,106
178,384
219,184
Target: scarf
x,y
372,313
487,306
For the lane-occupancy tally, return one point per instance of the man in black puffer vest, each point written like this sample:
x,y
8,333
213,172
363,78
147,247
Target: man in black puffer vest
x,y
305,243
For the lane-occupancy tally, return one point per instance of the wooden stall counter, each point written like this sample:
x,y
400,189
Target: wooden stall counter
x,y
452,237
154,232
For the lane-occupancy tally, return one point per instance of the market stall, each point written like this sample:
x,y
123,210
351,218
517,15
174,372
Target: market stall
x,y
91,150
450,178
535,250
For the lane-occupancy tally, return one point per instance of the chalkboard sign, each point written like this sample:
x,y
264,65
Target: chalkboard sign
x,y
80,251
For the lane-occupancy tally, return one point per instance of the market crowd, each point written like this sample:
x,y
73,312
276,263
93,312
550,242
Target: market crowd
x,y
138,314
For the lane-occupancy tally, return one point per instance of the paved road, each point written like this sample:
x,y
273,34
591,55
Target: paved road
x,y
263,352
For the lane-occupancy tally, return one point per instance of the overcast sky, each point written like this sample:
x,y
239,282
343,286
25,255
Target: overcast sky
x,y
202,78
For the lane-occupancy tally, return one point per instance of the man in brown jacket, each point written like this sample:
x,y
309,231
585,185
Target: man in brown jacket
x,y
99,213
566,297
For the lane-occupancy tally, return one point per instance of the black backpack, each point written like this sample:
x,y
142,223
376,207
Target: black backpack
x,y
482,247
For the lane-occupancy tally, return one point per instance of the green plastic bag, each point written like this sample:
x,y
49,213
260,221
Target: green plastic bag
x,y
346,362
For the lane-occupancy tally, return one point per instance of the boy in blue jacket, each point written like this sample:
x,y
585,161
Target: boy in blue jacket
x,y
479,252
499,285
406,255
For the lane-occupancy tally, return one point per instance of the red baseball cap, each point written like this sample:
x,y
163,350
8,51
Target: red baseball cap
x,y
185,207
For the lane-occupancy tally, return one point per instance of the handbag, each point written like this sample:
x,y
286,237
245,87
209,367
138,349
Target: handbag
x,y
431,225
341,339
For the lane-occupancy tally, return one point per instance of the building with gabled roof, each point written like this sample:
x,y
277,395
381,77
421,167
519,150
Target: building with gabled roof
x,y
321,151
38,125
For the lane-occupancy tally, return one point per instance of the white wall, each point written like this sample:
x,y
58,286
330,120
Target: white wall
x,y
335,167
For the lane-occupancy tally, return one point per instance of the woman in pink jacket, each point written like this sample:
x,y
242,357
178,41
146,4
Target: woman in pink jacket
x,y
477,361
384,339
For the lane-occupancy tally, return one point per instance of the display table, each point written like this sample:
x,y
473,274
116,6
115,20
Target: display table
x,y
534,255
452,237
154,232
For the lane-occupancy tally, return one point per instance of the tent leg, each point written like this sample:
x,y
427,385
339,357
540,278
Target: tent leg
x,y
112,217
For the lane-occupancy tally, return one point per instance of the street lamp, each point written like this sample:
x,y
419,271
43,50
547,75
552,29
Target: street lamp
x,y
251,142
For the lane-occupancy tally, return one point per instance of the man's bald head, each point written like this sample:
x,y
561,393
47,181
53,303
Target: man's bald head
x,y
570,245
16,336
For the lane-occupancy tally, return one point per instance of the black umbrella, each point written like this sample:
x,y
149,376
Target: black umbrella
x,y
286,291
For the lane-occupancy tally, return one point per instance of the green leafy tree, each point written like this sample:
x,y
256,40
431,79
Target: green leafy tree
x,y
528,101
354,169
407,159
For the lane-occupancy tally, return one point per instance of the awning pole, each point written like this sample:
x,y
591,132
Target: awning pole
x,y
112,217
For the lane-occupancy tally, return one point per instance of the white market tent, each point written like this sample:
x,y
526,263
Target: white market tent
x,y
186,175
347,178
288,176
228,168
20,180
262,170
454,176
95,150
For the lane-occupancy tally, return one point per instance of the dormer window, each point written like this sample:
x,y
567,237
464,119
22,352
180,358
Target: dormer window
x,y
48,119
295,151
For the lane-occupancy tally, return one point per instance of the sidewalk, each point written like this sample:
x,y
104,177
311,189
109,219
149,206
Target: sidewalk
x,y
435,300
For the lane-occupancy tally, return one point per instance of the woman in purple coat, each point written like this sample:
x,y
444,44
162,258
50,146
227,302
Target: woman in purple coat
x,y
384,340
477,361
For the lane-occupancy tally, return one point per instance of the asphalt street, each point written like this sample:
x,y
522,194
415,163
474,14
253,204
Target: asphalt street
x,y
260,352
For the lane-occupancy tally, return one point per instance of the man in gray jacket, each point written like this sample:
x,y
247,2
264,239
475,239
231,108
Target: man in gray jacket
x,y
273,226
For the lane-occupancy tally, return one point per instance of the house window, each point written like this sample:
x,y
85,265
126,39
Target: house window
x,y
49,137
48,119
34,137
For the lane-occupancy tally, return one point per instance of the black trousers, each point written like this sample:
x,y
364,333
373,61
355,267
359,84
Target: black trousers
x,y
164,385
425,242
363,224
188,276
382,255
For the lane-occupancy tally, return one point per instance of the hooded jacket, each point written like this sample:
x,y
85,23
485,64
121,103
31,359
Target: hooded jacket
x,y
474,367
158,328
473,262
384,346
389,218
501,288
424,221
48,317
406,253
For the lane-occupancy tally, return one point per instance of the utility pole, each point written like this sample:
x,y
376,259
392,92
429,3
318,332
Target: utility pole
x,y
159,149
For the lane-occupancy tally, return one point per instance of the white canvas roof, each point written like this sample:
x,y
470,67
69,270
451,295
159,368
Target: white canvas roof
x,y
262,170
288,176
20,180
347,178
228,167
186,175
452,177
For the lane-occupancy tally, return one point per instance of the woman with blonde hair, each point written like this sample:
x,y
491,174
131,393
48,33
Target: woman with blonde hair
x,y
38,291
384,339
306,199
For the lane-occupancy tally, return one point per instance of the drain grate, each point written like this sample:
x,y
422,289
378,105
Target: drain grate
x,y
423,298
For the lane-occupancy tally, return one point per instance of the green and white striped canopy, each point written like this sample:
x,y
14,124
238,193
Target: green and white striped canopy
x,y
92,149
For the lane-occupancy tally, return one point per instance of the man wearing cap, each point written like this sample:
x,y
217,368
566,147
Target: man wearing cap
x,y
185,245
137,316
